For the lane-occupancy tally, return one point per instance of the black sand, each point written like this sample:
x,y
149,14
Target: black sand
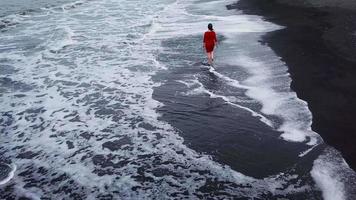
x,y
319,48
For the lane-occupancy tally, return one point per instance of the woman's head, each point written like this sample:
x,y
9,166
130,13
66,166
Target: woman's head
x,y
210,26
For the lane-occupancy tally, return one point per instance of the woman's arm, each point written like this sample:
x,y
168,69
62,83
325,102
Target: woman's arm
x,y
204,40
215,39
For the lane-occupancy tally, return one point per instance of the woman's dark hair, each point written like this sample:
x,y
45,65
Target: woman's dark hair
x,y
210,26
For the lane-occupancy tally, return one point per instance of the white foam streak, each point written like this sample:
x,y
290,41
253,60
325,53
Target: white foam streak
x,y
230,81
230,100
328,172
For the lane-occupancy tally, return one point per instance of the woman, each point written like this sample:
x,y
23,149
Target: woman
x,y
209,43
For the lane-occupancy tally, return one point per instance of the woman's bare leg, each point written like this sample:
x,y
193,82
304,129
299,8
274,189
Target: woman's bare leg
x,y
210,61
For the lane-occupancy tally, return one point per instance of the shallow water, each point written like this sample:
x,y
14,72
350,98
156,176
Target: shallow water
x,y
111,100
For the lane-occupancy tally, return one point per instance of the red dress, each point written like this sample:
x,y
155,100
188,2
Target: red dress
x,y
209,41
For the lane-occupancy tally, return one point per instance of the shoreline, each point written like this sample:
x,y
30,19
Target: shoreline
x,y
317,45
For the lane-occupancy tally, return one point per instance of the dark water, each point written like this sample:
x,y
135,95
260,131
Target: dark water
x,y
112,100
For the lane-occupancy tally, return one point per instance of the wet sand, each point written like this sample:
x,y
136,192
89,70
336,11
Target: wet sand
x,y
319,48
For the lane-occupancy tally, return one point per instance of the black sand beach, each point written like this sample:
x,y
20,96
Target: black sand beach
x,y
319,48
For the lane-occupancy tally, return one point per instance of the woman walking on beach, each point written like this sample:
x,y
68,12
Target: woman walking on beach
x,y
209,43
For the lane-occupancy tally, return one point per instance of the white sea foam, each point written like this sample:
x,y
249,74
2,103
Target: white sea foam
x,y
200,89
182,22
280,101
62,37
10,175
333,176
230,81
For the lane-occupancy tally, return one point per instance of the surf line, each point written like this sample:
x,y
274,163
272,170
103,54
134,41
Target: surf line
x,y
253,113
235,83
230,81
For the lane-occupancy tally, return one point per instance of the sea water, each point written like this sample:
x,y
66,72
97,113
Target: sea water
x,y
108,99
